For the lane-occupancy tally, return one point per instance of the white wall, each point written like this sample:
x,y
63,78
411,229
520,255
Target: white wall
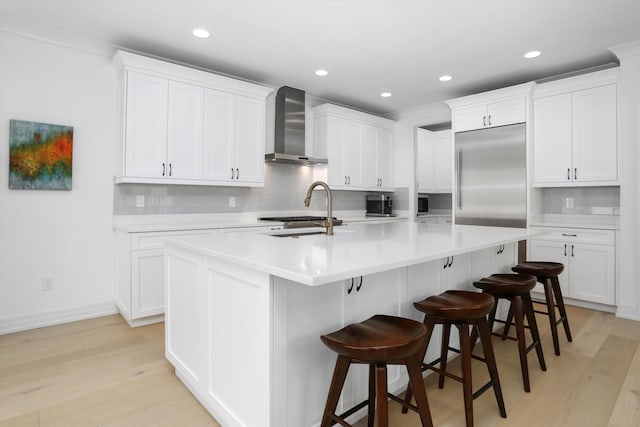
x,y
628,255
66,235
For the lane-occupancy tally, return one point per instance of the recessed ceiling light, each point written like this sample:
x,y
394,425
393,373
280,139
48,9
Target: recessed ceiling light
x,y
532,54
200,33
321,73
385,94
445,78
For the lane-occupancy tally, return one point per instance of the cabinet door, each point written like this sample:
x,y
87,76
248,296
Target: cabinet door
x,y
457,273
426,154
383,158
336,174
551,251
595,155
146,126
552,139
506,112
377,294
470,118
443,165
249,137
592,275
147,283
369,157
352,154
219,128
185,136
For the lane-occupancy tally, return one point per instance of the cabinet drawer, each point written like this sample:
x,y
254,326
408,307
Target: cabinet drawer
x,y
155,240
578,235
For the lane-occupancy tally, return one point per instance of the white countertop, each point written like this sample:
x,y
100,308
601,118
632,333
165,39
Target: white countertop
x,y
153,223
354,250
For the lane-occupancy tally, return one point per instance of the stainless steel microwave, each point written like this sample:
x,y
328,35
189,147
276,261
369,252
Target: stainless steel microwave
x,y
423,204
379,205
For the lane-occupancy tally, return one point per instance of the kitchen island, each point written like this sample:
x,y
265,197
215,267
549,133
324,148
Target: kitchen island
x,y
244,312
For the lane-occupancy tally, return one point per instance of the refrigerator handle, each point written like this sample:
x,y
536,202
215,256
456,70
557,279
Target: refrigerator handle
x,y
459,177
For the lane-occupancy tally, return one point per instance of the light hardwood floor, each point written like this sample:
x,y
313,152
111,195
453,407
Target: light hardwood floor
x,y
100,372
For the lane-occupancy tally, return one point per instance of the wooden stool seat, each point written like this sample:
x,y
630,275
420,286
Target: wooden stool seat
x,y
456,305
539,269
378,341
464,310
507,284
515,288
547,273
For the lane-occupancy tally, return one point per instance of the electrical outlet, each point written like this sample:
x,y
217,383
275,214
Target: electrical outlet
x,y
232,202
140,201
47,284
569,202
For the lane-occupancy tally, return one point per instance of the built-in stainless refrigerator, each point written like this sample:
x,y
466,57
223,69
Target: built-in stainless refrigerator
x,y
491,178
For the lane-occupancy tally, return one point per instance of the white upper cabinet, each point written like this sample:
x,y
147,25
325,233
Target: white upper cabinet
x,y
435,161
184,145
146,126
185,126
488,115
575,131
358,147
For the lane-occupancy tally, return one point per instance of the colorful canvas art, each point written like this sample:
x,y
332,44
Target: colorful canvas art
x,y
40,156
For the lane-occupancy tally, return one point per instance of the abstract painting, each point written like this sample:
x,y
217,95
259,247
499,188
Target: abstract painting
x,y
40,156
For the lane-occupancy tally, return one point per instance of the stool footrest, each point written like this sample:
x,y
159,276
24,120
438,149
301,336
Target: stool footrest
x,y
340,418
482,389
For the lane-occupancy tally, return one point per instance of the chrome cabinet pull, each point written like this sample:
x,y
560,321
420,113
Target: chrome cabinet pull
x,y
568,174
575,174
489,119
349,180
163,169
231,173
459,173
360,285
170,168
345,180
484,120
237,173
571,250
565,249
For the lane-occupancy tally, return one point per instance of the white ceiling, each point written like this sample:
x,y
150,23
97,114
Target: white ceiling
x,y
367,46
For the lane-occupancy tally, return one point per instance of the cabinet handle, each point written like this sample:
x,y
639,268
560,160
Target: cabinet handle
x,y
360,285
565,249
575,174
451,263
231,173
170,168
345,180
568,174
569,235
484,120
489,119
572,250
237,173
446,263
350,287
349,180
163,169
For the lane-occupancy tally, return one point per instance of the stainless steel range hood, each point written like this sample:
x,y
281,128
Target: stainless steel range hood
x,y
286,128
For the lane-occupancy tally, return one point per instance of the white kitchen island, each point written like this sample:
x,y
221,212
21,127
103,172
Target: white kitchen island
x,y
245,311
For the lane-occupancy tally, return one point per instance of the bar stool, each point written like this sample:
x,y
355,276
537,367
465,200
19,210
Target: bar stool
x,y
378,342
515,288
547,273
463,309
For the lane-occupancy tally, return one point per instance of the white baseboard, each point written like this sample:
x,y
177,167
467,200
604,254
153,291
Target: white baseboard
x,y
40,320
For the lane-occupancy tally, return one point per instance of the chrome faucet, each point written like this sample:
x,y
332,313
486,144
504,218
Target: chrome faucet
x,y
328,223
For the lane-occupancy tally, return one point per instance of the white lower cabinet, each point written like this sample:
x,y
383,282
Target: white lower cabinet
x,y
589,262
140,274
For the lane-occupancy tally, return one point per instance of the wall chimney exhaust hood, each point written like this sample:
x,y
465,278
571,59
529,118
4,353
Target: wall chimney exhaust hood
x,y
286,128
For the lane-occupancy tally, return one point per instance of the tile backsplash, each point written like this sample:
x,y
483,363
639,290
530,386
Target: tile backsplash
x,y
285,189
585,200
